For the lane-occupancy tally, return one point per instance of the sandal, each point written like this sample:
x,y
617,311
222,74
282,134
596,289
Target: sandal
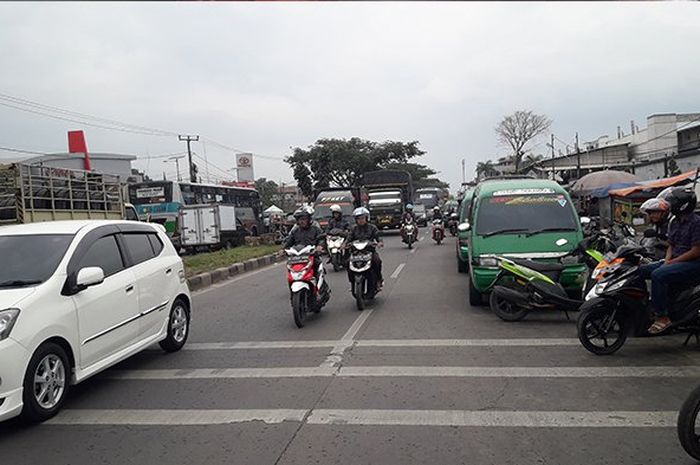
x,y
659,327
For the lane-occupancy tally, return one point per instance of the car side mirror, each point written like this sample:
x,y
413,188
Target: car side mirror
x,y
89,276
464,227
585,220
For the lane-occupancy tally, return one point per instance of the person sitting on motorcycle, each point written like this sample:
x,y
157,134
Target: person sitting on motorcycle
x,y
305,233
437,214
337,221
682,256
657,210
366,231
408,213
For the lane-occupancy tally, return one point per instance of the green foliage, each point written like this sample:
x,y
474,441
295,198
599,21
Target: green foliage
x,y
342,162
422,175
269,192
673,169
212,260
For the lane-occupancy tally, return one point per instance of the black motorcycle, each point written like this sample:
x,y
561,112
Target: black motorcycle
x,y
452,223
362,276
687,421
618,306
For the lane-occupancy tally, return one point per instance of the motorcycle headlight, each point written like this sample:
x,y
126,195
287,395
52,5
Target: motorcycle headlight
x,y
488,261
8,318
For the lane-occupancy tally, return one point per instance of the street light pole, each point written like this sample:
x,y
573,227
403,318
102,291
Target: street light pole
x,y
188,139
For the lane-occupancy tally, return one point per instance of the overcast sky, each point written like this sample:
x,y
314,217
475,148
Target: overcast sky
x,y
266,76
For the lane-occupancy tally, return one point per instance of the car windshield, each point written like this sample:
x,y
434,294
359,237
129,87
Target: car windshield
x,y
385,198
525,213
31,259
324,211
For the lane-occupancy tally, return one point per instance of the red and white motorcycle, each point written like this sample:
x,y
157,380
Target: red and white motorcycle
x,y
438,231
309,290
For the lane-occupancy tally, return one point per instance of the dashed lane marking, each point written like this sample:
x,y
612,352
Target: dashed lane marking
x,y
397,271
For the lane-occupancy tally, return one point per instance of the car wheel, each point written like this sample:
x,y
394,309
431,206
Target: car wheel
x,y
474,294
46,383
178,327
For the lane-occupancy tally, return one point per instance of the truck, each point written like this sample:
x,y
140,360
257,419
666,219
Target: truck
x,y
209,226
32,193
388,192
348,198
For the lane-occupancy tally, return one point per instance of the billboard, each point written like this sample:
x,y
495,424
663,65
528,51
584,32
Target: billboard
x,y
244,163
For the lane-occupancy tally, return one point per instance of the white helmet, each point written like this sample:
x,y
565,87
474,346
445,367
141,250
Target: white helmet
x,y
361,211
335,208
655,204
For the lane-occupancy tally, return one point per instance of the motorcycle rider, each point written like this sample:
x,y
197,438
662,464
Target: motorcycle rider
x,y
657,210
408,213
437,214
682,256
337,221
366,231
305,233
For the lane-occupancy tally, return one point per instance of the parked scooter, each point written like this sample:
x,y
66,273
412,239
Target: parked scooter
x,y
618,306
362,276
438,231
688,433
335,244
452,223
409,232
309,293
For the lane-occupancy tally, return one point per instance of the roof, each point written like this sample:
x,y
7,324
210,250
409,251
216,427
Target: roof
x,y
56,227
655,184
489,187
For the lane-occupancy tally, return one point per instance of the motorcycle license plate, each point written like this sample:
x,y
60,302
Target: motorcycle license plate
x,y
296,260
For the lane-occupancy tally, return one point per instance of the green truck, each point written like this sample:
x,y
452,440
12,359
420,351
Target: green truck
x,y
520,218
35,193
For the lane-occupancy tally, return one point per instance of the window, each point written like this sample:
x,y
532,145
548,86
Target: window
x,y
104,253
31,259
139,246
156,244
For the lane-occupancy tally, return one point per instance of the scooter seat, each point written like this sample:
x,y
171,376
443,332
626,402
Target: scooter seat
x,y
540,266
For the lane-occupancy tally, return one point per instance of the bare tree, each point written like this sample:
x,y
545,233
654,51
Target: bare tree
x,y
516,130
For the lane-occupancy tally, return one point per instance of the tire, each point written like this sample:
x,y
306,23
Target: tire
x,y
588,326
474,295
335,260
299,308
410,244
51,363
358,290
178,327
686,424
505,310
462,266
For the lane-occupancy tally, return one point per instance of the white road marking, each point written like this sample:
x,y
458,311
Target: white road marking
x,y
463,418
396,272
357,324
556,419
335,357
524,342
247,345
522,372
174,417
413,250
226,282
409,371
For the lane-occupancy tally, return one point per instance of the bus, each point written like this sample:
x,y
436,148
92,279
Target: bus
x,y
160,202
429,197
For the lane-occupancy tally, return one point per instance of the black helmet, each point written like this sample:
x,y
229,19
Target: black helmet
x,y
303,212
682,200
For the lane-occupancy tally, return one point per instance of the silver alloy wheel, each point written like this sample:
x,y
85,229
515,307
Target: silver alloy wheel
x,y
49,381
178,323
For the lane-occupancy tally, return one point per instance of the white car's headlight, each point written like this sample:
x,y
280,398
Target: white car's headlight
x,y
8,318
488,261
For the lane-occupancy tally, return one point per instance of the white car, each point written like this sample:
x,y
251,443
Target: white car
x,y
76,297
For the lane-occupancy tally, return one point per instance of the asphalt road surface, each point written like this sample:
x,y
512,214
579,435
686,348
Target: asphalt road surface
x,y
419,377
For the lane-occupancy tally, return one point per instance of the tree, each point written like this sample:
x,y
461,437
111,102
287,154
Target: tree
x,y
268,191
421,175
531,160
673,169
517,130
342,162
485,169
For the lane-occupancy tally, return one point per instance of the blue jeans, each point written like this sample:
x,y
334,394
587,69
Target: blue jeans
x,y
664,275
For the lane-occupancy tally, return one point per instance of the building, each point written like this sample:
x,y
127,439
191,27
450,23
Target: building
x,y
290,197
651,153
107,163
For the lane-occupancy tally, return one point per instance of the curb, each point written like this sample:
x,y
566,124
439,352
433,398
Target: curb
x,y
204,280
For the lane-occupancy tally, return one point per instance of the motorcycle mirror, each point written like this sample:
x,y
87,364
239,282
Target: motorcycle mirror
x,y
585,220
464,226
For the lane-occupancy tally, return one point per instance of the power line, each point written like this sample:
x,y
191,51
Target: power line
x,y
29,152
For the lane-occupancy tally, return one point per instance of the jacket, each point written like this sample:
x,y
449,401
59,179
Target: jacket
x,y
368,232
313,235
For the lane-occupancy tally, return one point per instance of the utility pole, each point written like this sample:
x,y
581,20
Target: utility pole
x,y
578,159
206,161
188,139
464,174
177,164
551,145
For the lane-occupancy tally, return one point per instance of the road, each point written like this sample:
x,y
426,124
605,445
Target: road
x,y
420,377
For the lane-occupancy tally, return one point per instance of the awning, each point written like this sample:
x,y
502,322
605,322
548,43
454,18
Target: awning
x,y
654,184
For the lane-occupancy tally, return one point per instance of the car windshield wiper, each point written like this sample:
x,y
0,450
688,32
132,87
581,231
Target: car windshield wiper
x,y
537,231
502,231
20,283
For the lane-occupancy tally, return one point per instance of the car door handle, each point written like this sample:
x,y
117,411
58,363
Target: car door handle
x,y
129,289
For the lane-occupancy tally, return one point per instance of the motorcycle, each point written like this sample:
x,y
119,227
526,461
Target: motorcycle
x,y
687,421
335,243
409,232
362,277
452,223
308,293
438,231
618,306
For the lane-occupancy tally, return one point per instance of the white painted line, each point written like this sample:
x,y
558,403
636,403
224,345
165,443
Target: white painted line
x,y
463,418
413,250
245,345
357,324
174,417
522,372
335,357
556,419
524,342
396,272
229,281
222,373
409,371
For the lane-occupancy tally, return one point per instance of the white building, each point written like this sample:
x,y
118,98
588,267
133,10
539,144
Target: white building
x,y
107,163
